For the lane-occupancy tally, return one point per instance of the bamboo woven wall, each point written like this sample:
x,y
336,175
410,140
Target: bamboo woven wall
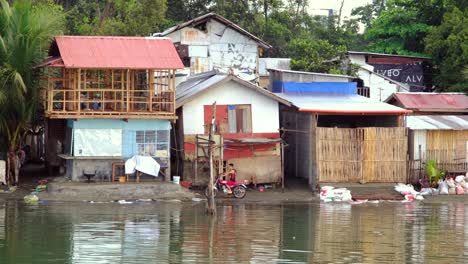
x,y
448,147
369,154
384,154
339,154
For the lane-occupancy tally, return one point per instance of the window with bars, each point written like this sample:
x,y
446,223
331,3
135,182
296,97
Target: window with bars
x,y
154,143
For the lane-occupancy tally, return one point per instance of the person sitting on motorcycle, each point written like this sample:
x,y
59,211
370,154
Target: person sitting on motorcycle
x,y
231,172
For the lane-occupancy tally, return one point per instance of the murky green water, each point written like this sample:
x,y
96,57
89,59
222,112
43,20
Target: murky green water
x,y
180,232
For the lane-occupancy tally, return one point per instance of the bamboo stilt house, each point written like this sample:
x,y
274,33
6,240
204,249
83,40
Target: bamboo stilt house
x,y
108,98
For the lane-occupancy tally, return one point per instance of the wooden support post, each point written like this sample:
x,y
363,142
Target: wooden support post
x,y
282,165
128,90
420,161
196,160
312,150
151,89
50,93
79,90
173,89
122,91
64,95
211,208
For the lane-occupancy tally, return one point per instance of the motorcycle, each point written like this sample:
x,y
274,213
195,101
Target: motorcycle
x,y
239,189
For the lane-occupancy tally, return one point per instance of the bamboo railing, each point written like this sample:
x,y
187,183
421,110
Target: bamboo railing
x,y
110,93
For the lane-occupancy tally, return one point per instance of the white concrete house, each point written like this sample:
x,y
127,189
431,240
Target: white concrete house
x,y
212,42
246,125
385,74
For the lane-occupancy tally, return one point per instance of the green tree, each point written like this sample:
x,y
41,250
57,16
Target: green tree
x,y
316,56
399,29
25,34
184,10
116,17
448,46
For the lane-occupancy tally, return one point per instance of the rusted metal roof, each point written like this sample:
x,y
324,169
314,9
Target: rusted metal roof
x,y
437,122
196,84
340,104
431,102
55,62
250,141
205,17
387,55
116,52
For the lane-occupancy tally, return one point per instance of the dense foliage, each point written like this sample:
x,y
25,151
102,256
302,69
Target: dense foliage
x,y
315,43
25,34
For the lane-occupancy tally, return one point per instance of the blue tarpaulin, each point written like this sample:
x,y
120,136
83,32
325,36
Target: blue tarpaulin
x,y
315,87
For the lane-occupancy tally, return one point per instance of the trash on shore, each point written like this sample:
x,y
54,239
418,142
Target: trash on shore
x,y
408,191
330,194
447,186
31,198
195,199
144,200
124,202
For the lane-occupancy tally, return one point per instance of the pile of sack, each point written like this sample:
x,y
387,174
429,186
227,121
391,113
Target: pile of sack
x,y
451,186
330,194
408,191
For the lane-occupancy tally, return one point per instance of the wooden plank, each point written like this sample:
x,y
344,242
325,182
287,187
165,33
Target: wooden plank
x,y
151,89
79,90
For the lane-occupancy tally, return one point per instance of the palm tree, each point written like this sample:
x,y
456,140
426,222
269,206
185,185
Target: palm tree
x,y
25,34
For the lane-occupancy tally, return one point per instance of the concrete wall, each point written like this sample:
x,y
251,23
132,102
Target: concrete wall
x,y
103,165
265,116
103,168
220,47
380,88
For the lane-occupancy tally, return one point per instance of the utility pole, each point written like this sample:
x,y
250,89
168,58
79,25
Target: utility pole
x,y
211,208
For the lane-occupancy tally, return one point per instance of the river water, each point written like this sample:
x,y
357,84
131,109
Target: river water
x,y
174,232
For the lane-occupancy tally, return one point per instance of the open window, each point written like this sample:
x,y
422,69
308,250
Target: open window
x,y
230,119
239,119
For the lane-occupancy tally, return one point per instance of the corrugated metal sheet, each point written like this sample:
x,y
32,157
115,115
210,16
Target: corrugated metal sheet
x,y
315,87
188,89
437,122
335,103
272,63
117,52
250,141
448,102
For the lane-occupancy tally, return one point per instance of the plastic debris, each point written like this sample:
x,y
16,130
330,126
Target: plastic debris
x,y
31,198
195,199
41,188
330,194
407,190
358,202
124,202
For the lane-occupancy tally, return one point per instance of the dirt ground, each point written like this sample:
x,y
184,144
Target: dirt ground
x,y
295,191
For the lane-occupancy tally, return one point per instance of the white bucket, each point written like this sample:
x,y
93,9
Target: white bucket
x,y
176,179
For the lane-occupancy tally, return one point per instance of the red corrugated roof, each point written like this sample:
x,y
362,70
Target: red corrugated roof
x,y
448,102
117,52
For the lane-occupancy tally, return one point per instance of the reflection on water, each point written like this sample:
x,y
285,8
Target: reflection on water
x,y
181,232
